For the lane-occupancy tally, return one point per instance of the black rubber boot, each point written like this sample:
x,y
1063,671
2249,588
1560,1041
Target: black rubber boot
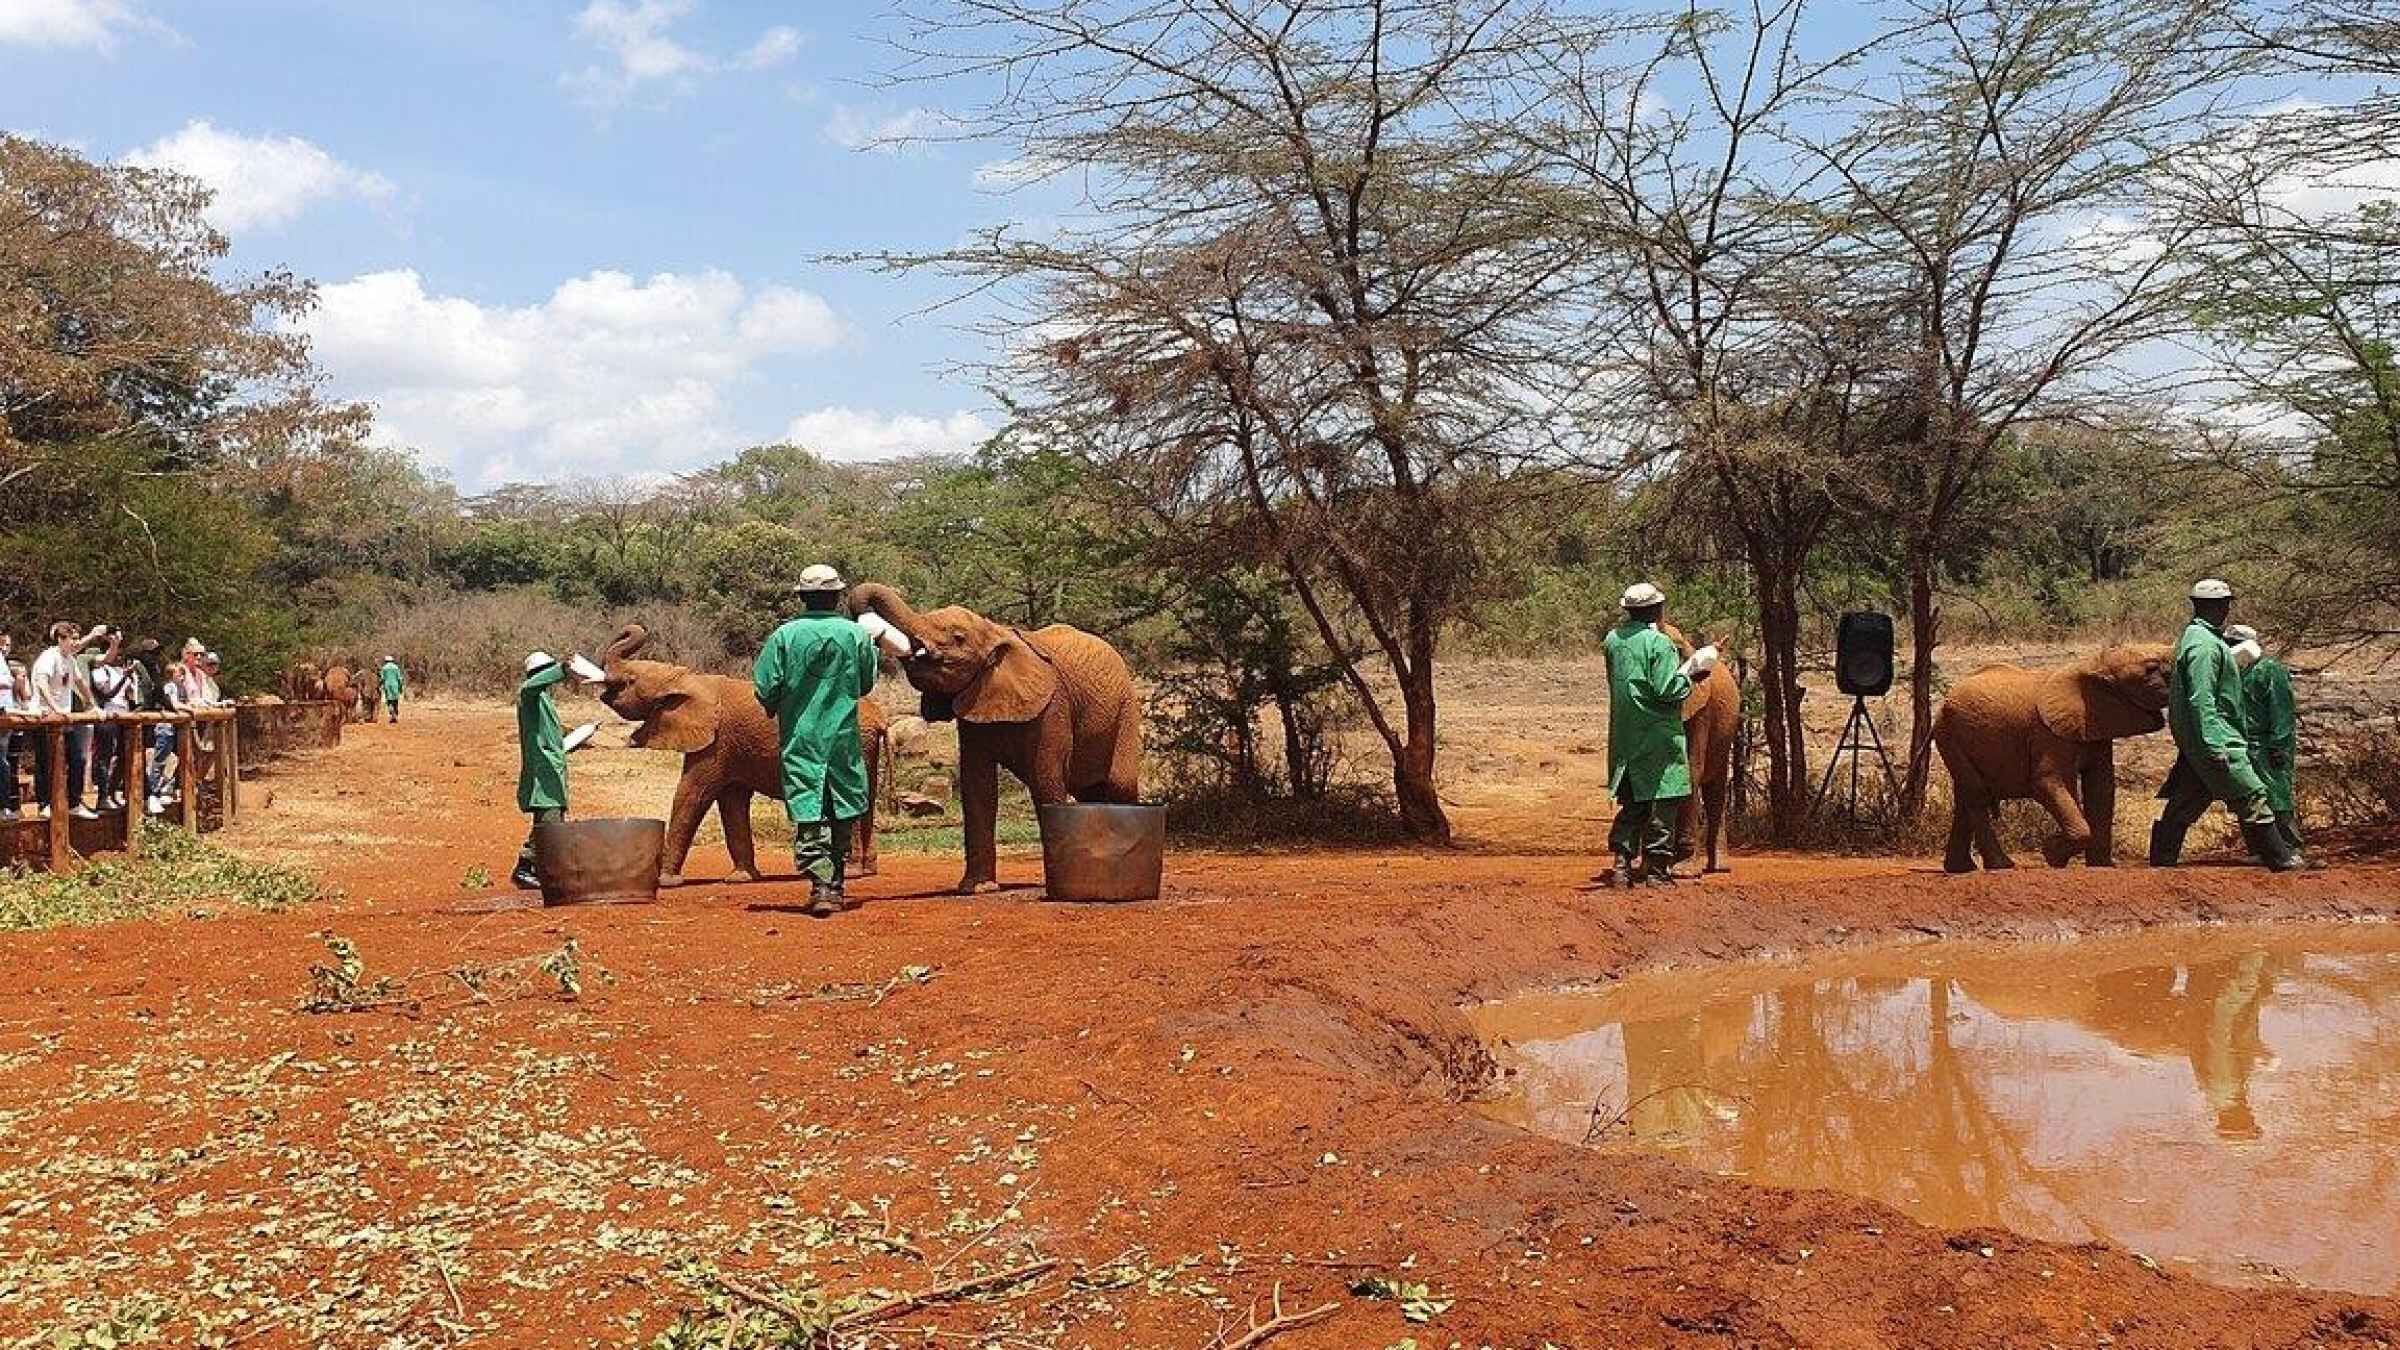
x,y
2166,845
524,879
1621,876
2266,845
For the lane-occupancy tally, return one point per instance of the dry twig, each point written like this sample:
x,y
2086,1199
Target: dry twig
x,y
1277,1323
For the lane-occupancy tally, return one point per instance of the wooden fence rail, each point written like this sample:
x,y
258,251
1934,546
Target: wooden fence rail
x,y
124,829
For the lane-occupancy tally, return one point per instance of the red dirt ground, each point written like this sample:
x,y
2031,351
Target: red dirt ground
x,y
1252,1084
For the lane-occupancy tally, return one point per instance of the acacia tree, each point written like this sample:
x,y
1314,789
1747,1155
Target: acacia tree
x,y
1737,356
2297,287
1990,192
1311,321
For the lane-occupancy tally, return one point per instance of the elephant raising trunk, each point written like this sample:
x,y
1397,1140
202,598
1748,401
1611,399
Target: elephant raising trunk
x,y
626,645
1056,707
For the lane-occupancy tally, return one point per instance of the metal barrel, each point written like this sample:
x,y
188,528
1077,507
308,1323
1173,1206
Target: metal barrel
x,y
1102,853
588,862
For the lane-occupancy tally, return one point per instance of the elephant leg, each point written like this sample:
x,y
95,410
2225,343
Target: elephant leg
x,y
861,862
1960,855
733,809
1712,801
2100,804
692,800
1687,827
2057,795
1124,785
979,804
1983,817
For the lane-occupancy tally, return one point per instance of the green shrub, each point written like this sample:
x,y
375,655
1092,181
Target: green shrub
x,y
176,871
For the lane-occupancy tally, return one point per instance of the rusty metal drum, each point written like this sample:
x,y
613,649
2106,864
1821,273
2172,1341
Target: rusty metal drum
x,y
598,862
1102,853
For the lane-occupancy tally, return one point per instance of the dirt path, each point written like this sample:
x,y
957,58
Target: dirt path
x,y
1251,1084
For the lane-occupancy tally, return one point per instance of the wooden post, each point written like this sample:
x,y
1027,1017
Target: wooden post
x,y
134,733
62,848
187,778
229,763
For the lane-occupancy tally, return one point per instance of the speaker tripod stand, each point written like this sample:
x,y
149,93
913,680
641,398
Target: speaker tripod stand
x,y
1858,737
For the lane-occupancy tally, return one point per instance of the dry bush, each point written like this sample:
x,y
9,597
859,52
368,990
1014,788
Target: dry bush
x,y
475,642
2356,784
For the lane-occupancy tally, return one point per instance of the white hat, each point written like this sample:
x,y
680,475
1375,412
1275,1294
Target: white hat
x,y
2246,654
537,660
2210,588
2240,632
1642,595
819,578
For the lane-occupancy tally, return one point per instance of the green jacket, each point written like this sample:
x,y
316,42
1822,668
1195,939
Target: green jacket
x,y
1646,760
811,675
2204,711
392,680
541,749
2272,727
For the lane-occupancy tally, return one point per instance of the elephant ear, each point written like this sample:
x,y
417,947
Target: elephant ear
x,y
686,720
2077,705
1016,688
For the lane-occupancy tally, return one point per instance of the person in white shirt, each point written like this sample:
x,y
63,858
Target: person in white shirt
x,y
8,740
113,690
54,685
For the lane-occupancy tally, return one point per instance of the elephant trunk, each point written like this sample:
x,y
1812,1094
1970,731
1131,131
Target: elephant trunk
x,y
629,640
887,602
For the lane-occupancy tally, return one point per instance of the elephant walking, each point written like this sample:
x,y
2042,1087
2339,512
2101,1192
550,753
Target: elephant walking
x,y
1056,707
729,748
2006,732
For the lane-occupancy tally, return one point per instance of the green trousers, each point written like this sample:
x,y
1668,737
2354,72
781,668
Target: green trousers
x,y
2188,797
821,847
1646,830
548,815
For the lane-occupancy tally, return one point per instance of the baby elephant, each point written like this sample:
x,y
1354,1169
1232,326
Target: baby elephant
x,y
2006,732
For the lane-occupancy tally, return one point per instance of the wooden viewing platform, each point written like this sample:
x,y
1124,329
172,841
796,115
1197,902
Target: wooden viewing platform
x,y
123,829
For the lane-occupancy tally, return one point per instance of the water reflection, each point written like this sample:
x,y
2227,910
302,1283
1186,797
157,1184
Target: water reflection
x,y
2227,1099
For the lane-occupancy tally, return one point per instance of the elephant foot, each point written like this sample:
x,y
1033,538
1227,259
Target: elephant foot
x,y
668,881
976,886
2001,865
743,876
1958,866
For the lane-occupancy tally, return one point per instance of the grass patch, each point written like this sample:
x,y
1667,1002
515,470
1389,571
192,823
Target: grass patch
x,y
177,872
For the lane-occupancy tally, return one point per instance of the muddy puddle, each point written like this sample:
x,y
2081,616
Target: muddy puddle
x,y
2225,1101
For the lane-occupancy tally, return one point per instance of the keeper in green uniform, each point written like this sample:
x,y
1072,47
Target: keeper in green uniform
x,y
1649,774
541,756
2212,757
2271,723
394,684
811,675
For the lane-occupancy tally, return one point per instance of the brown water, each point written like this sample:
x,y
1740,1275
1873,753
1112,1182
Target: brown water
x,y
2225,1101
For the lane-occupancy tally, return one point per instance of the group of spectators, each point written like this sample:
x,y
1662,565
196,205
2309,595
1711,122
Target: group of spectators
x,y
98,670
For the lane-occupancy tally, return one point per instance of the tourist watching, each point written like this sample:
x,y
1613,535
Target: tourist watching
x,y
165,740
113,691
8,746
55,685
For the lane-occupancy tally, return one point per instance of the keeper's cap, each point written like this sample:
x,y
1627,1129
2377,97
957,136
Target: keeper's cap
x,y
2211,588
539,660
818,579
1642,595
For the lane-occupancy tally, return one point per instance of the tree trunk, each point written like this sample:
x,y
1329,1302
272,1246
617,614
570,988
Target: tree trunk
x,y
1779,684
1421,811
1924,635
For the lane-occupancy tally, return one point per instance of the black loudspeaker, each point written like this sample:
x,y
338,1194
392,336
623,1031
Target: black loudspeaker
x,y
1862,654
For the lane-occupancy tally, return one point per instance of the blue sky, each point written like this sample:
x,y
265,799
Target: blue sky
x,y
555,238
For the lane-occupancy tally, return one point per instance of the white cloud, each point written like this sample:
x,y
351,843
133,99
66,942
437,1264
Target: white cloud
x,y
610,374
774,47
852,433
260,181
879,132
642,54
640,51
67,23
